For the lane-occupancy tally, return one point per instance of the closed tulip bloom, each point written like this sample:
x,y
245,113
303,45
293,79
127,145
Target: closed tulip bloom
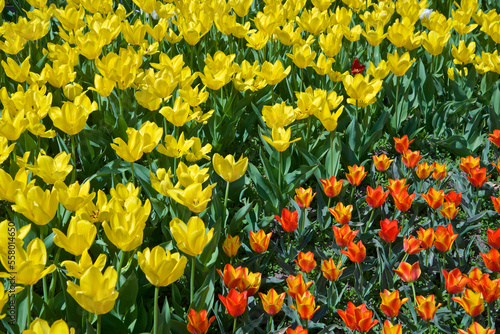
x,y
235,277
272,302
356,174
478,176
260,241
40,326
434,42
331,271
341,213
449,210
444,238
426,237
288,220
455,281
297,286
280,138
51,169
389,328
473,303
424,170
401,144
493,238
453,197
492,260
37,205
397,186
231,245
302,55
468,163
306,261
411,245
96,292
228,168
191,238
495,137
439,171
399,65
76,270
408,272
344,235
328,118
80,236
235,302
298,330
426,307
194,197
475,276
389,230
331,186
358,317
306,307
278,115
476,328
376,197
198,322
391,303
192,174
74,196
411,158
403,201
304,197
355,252
161,267
382,162
434,198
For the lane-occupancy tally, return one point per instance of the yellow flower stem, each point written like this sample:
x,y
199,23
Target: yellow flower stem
x,y
191,285
133,173
73,156
396,104
155,315
28,296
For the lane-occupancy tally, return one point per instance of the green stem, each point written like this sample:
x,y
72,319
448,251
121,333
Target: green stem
x,y
234,325
489,314
98,324
301,79
414,294
361,281
28,296
396,105
308,131
302,221
332,137
390,251
44,278
429,326
352,193
133,173
451,310
307,325
191,286
368,223
226,195
119,270
155,315
73,153
280,170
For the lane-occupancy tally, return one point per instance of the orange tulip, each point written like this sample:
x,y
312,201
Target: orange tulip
x,y
411,158
198,322
401,144
476,328
235,302
473,303
358,317
439,171
496,203
260,241
475,276
455,281
298,330
490,289
403,201
492,260
495,137
426,307
375,197
306,307
355,252
444,238
382,162
453,197
272,302
426,237
411,245
494,238
344,235
434,198
233,277
288,220
231,245
477,176
389,328
341,213
468,163
391,303
296,285
424,170
304,197
407,272
449,210
356,174
331,186
389,230
397,187
306,261
330,270
497,165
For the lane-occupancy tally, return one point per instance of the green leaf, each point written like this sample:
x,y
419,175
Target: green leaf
x,y
262,185
456,144
127,294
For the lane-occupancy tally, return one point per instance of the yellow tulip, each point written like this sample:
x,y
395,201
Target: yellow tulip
x,y
133,149
399,33
331,43
434,42
357,5
190,238
80,236
103,85
72,90
9,232
72,116
352,34
342,16
322,5
147,98
40,326
29,265
2,5
280,138
13,43
101,6
90,44
198,152
463,55
323,65
193,96
147,6
161,182
124,232
361,90
74,196
409,10
78,269
17,72
123,192
438,23
313,21
51,169
273,73
380,71
302,55
287,35
309,102
151,134
58,74
133,34
32,30
36,205
278,115
5,149
451,73
399,65
268,22
9,187
180,114
374,37
12,125
194,197
161,268
328,119
96,292
240,7
95,212
461,19
228,168
71,17
192,174
174,148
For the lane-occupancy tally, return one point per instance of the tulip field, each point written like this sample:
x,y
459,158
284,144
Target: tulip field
x,y
246,166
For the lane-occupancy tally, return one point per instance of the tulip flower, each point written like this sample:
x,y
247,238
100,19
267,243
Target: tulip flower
x,y
331,271
175,148
306,261
344,235
329,119
401,144
288,220
190,175
453,197
411,245
72,116
331,186
304,197
280,139
455,281
389,230
434,198
306,307
496,203
341,213
391,303
411,158
194,197
298,330
449,210
389,328
228,169
356,174
231,245
5,149
478,176
444,238
426,307
278,115
493,238
439,171
362,92
74,196
40,326
473,303
475,276
403,201
302,55
495,137
273,73
51,169
490,289
426,237
355,252
397,186
260,241
399,65
424,170
198,322
76,270
272,302
492,260
297,286
37,205
80,236
356,67
161,267
497,165
191,238
17,72
9,232
358,317
469,163
382,162
235,302
476,328
408,272
375,197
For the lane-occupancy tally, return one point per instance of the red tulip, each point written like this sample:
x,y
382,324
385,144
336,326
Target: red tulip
x,y
235,302
288,220
389,230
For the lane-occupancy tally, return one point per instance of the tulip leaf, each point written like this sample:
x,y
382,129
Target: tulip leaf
x,y
262,185
251,326
299,177
235,224
112,324
204,297
127,294
456,144
178,327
